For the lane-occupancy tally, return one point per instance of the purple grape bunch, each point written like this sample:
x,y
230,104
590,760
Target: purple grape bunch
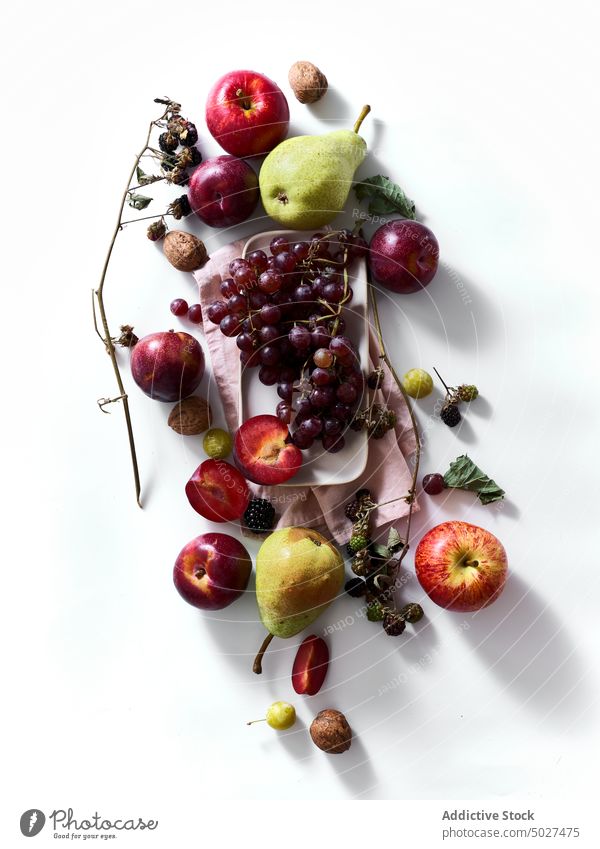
x,y
285,312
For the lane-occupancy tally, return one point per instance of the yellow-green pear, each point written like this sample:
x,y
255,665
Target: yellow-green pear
x,y
305,180
298,574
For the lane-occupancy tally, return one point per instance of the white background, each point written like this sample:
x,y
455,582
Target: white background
x,y
121,698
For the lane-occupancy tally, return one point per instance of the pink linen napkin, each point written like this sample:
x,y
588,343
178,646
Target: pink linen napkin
x,y
386,475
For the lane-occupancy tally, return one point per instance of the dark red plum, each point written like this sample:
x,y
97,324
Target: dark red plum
x,y
167,366
223,191
403,256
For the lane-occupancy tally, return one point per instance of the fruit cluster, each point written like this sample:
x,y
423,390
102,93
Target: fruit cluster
x,y
375,568
285,311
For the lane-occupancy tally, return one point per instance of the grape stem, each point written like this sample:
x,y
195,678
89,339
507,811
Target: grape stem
x,y
410,497
98,299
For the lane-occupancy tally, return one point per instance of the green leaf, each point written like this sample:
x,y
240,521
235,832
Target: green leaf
x,y
464,474
145,179
381,551
138,201
394,542
384,197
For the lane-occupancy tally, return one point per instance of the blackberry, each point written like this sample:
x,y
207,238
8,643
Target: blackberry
x,y
375,612
156,230
393,624
168,142
180,207
412,612
351,510
450,415
363,495
196,156
361,562
355,587
357,542
375,379
188,135
259,515
467,392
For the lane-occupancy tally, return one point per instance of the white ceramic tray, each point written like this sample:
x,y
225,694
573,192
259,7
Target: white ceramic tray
x,y
319,467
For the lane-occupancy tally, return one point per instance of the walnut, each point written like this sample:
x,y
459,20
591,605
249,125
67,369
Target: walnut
x,y
308,83
330,732
184,251
190,416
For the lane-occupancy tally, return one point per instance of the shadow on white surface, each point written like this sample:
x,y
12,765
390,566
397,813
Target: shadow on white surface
x,y
526,646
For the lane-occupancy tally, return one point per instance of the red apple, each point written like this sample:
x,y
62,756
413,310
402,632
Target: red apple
x,y
262,452
167,366
403,256
247,113
218,491
461,566
310,666
223,191
212,571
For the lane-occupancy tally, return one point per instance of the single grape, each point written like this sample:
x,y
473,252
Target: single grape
x,y
285,262
303,407
332,426
238,304
341,411
278,245
320,338
257,300
302,440
333,443
301,250
346,393
322,376
343,349
249,325
269,355
269,375
285,389
270,314
230,325
245,342
179,307
417,383
323,396
237,263
228,288
303,294
283,411
311,426
249,359
318,285
269,282
299,337
323,357
195,314
433,484
259,261
217,311
245,277
333,292
269,333
217,443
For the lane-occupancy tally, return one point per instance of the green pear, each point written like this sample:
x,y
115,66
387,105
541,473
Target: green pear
x,y
298,574
305,180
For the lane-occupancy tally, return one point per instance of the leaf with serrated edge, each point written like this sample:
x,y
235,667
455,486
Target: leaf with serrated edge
x,y
384,197
464,474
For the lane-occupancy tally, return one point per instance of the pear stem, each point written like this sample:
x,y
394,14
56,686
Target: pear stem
x,y
257,666
364,112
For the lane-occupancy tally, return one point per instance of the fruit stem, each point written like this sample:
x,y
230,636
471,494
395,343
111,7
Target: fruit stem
x,y
257,666
252,721
446,387
364,112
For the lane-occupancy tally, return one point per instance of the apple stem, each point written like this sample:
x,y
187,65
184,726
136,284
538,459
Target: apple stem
x,y
363,114
446,387
257,666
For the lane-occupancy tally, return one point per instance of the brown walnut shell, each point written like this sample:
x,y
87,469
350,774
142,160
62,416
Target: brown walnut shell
x,y
330,732
190,416
308,83
184,251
